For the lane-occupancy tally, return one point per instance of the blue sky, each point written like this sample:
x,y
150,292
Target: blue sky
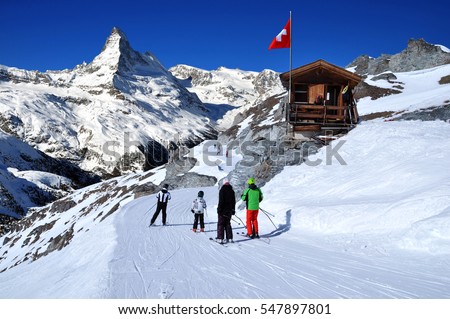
x,y
53,35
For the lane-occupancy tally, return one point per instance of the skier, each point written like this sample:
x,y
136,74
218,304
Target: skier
x,y
198,208
225,210
252,196
163,197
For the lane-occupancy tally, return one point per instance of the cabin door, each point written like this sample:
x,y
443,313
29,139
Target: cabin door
x,y
332,95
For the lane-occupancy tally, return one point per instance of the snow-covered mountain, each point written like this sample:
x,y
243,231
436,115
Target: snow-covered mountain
x,y
228,86
425,91
123,111
411,84
417,56
118,113
237,89
30,178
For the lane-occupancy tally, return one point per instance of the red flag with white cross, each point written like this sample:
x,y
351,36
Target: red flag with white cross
x,y
283,39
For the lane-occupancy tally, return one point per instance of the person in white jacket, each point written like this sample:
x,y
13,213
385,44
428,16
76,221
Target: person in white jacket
x,y
198,209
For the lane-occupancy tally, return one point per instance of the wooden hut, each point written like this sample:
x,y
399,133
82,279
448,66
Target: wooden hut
x,y
321,97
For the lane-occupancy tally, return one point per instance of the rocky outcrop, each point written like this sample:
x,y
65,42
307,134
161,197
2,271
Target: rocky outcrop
x,y
363,90
418,55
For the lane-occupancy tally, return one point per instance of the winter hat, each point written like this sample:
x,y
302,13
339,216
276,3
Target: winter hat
x,y
200,194
166,186
226,181
251,181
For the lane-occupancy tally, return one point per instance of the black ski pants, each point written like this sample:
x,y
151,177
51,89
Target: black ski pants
x,y
160,207
224,226
199,218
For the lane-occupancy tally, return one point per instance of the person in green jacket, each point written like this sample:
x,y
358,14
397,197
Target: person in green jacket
x,y
252,196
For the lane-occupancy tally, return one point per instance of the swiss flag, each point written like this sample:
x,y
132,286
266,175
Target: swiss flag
x,y
283,39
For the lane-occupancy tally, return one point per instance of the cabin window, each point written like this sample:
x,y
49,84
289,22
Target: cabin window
x,y
301,93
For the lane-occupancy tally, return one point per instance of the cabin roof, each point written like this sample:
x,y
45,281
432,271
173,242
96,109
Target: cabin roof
x,y
321,71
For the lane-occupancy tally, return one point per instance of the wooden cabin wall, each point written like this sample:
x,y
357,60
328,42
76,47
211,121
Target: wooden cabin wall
x,y
314,91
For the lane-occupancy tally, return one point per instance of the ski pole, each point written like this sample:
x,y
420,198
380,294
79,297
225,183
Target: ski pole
x,y
235,221
205,221
267,215
265,211
148,211
239,219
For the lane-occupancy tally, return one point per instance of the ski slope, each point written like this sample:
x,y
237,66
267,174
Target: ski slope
x,y
174,262
377,227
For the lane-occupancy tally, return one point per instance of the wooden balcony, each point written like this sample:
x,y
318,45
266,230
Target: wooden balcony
x,y
311,116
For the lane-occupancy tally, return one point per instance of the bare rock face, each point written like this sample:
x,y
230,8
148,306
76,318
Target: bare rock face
x,y
363,89
418,55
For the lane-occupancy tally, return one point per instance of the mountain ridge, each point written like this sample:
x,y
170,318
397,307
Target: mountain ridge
x,y
418,55
120,91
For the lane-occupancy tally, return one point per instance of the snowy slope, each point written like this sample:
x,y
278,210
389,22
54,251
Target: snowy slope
x,y
420,90
29,178
98,112
374,228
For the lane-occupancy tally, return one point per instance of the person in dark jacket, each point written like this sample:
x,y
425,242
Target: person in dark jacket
x,y
163,197
225,209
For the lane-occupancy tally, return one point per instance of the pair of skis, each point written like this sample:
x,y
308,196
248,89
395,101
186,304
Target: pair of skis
x,y
224,244
244,235
263,239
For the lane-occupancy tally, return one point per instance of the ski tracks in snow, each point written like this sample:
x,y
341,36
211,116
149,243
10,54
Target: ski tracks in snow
x,y
173,262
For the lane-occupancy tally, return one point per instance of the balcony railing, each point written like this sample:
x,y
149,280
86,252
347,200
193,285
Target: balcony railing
x,y
313,114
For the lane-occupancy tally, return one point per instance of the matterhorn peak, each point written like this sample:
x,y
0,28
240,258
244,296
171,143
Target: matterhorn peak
x,y
118,58
117,40
117,53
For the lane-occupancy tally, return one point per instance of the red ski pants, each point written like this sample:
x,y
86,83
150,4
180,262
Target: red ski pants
x,y
252,221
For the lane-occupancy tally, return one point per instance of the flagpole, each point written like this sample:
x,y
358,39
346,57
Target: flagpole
x,y
290,56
